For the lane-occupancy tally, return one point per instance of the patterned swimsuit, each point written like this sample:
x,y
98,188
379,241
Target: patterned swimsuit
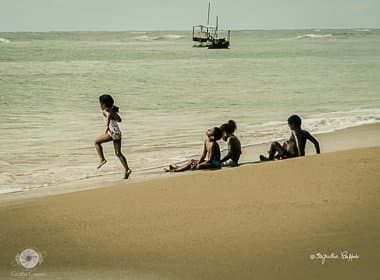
x,y
114,130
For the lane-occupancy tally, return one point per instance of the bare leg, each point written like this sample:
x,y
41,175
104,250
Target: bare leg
x,y
98,145
275,148
205,165
187,166
171,168
123,160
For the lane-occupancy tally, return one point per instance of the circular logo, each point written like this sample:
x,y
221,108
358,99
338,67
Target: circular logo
x,y
29,258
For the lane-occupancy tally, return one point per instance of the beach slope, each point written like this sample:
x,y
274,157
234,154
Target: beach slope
x,y
260,221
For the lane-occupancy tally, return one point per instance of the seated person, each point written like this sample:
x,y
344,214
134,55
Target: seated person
x,y
234,146
210,149
295,146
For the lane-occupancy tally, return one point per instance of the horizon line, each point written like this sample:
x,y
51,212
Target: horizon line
x,y
189,30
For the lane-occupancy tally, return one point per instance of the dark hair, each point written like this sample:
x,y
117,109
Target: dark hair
x,y
229,127
107,100
217,133
295,120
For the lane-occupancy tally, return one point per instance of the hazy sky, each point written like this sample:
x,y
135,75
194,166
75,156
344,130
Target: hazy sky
x,y
48,15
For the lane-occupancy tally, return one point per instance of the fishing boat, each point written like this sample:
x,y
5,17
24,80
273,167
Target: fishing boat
x,y
218,41
210,36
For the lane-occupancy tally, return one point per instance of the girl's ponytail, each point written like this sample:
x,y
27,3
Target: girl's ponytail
x,y
115,109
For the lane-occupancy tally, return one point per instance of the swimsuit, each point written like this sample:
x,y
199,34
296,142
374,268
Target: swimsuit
x,y
114,130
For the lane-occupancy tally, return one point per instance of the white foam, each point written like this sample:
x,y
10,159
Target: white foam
x,y
152,156
156,38
334,121
315,123
4,41
172,36
329,122
362,30
142,38
314,36
11,190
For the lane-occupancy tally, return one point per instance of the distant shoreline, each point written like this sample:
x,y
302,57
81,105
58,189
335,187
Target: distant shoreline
x,y
363,136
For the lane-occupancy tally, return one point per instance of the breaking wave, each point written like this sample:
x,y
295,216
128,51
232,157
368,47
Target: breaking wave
x,y
4,41
362,30
314,36
158,38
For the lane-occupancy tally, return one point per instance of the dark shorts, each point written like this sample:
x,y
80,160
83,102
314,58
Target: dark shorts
x,y
216,163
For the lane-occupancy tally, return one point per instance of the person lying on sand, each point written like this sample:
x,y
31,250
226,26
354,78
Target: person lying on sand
x,y
234,146
210,149
295,146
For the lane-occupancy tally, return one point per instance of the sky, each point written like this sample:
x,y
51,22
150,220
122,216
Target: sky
x,y
72,15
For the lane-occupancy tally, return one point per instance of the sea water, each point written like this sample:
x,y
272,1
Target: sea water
x,y
169,93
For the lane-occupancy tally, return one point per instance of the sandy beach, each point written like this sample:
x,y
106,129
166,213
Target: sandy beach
x,y
257,221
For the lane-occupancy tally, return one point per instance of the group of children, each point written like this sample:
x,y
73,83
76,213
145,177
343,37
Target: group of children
x,y
211,156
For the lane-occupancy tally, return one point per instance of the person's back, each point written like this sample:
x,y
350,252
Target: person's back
x,y
235,147
296,144
213,151
299,137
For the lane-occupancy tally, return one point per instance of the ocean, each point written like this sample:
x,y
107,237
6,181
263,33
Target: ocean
x,y
169,93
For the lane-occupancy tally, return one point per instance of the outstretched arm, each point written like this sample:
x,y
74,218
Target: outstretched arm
x,y
315,142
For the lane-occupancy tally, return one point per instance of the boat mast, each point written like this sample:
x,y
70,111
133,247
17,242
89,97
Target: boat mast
x,y
208,14
216,28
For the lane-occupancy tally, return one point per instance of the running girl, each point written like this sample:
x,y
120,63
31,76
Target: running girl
x,y
112,133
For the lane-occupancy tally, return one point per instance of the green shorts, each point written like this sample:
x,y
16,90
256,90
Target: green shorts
x,y
230,163
216,163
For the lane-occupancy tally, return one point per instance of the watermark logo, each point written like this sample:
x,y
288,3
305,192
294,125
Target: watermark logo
x,y
29,260
344,255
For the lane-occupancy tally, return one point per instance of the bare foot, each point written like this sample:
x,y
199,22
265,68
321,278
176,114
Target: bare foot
x,y
101,163
171,168
127,173
263,158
